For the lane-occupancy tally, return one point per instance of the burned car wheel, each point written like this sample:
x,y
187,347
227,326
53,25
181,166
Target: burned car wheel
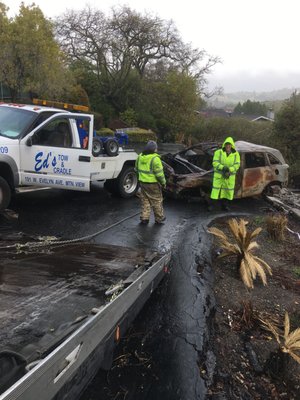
x,y
271,189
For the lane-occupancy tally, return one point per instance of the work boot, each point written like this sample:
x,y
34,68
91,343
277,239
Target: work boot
x,y
161,221
225,207
144,221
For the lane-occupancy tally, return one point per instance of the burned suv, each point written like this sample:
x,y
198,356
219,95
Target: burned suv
x,y
190,171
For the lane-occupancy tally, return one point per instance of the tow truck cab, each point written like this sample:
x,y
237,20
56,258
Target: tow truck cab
x,y
40,145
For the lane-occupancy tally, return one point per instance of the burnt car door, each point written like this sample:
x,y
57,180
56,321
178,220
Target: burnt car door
x,y
257,173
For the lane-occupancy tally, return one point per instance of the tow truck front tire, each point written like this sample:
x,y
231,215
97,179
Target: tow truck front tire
x,y
127,182
125,185
5,194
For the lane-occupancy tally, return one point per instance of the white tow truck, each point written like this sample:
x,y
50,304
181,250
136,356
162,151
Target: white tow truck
x,y
41,145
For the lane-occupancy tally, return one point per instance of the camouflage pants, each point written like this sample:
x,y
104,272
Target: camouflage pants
x,y
151,198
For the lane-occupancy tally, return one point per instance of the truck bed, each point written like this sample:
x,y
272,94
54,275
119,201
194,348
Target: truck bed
x,y
40,292
48,294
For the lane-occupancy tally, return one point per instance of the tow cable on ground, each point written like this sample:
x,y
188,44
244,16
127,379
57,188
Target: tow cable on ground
x,y
66,242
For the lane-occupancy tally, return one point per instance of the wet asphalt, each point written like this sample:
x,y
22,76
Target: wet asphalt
x,y
175,323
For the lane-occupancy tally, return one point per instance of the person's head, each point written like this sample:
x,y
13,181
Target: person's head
x,y
151,147
228,147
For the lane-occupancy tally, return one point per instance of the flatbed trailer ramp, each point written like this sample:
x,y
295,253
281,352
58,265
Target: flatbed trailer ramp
x,y
50,296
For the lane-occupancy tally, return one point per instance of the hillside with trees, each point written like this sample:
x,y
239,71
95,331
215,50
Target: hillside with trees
x,y
231,99
251,108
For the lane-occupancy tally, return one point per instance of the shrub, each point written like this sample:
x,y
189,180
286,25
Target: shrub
x,y
129,116
296,271
147,121
243,245
276,225
218,128
289,342
138,135
105,132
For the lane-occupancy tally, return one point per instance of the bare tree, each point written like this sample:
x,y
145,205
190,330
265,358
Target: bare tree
x,y
113,47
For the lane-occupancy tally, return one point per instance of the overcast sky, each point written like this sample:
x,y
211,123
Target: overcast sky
x,y
257,40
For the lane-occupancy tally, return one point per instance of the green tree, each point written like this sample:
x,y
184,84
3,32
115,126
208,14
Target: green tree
x,y
287,131
129,116
172,101
31,60
251,108
238,108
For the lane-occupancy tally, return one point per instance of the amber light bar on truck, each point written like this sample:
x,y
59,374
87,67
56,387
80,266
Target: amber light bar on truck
x,y
58,104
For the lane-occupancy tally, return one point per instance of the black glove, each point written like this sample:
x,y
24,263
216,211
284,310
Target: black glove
x,y
226,172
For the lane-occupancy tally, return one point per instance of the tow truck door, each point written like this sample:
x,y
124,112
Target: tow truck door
x,y
51,155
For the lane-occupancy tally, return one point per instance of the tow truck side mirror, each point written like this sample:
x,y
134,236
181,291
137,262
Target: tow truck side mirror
x,y
29,141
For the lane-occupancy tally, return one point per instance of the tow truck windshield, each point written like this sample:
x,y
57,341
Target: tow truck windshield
x,y
13,121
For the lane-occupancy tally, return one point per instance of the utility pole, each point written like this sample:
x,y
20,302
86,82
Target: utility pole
x,y
1,91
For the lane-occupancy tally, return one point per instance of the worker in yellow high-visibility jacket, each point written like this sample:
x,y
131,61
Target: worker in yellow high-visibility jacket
x,y
226,163
151,179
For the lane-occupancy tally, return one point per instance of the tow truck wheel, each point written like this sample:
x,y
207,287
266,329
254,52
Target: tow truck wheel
x,y
97,147
5,194
125,185
127,182
111,147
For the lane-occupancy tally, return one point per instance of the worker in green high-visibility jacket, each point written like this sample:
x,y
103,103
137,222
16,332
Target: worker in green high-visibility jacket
x,y
226,163
151,179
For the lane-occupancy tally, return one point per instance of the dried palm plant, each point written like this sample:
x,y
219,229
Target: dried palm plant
x,y
276,226
243,246
289,342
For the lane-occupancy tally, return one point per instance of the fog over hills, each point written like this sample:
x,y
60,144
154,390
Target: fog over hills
x,y
234,98
253,81
255,86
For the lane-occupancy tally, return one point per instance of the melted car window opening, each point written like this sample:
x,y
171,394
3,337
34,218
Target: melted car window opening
x,y
255,160
273,160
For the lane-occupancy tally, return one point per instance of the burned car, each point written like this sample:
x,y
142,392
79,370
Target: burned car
x,y
190,172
